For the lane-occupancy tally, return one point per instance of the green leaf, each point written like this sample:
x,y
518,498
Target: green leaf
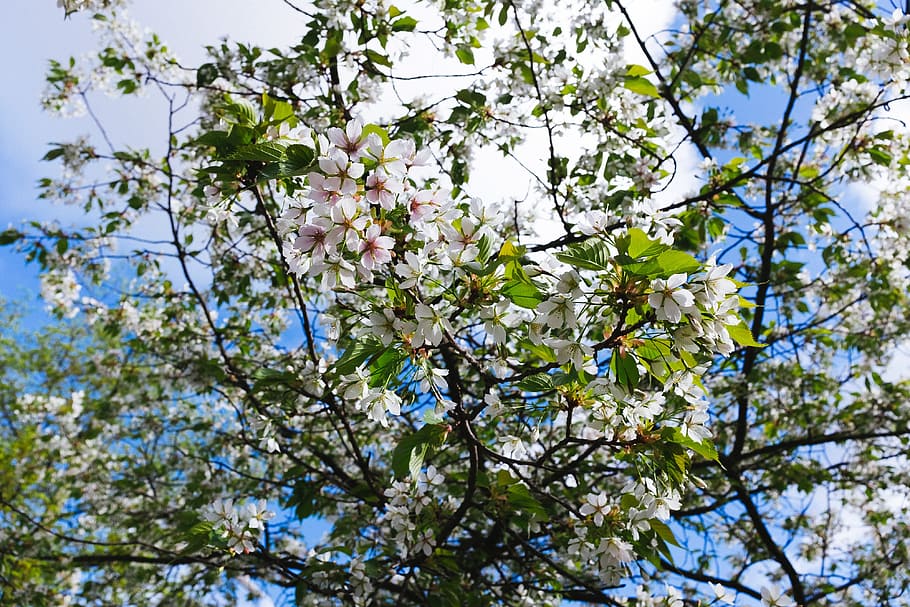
x,y
519,288
267,151
9,236
243,112
705,448
378,58
127,86
641,245
385,367
663,531
268,378
773,50
526,504
360,352
523,293
276,110
751,74
676,262
625,369
217,139
634,71
471,97
304,498
405,24
52,154
879,156
410,452
510,251
201,528
431,417
541,351
465,55
753,52
654,352
299,160
484,248
853,32
742,335
333,43
377,130
642,86
591,254
539,382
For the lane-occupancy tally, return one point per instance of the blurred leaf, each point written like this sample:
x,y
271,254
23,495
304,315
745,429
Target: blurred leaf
x,y
206,74
742,335
410,452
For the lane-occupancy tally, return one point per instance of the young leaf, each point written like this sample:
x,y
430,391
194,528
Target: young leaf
x,y
523,293
539,382
405,24
742,335
637,70
641,245
705,448
642,86
677,262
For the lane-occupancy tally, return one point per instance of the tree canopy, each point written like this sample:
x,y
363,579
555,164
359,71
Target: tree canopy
x,y
306,351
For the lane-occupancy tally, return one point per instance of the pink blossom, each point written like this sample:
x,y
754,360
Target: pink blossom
x,y
383,190
336,164
348,222
325,190
376,249
317,238
351,140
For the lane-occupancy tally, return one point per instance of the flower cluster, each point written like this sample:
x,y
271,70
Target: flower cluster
x,y
365,204
604,544
239,527
61,291
529,363
71,6
343,229
406,502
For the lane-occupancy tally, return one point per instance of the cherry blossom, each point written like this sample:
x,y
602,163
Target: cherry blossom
x,y
318,238
669,300
597,505
351,140
772,596
376,248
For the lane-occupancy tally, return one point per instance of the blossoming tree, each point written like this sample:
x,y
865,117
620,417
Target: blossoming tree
x,y
316,362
